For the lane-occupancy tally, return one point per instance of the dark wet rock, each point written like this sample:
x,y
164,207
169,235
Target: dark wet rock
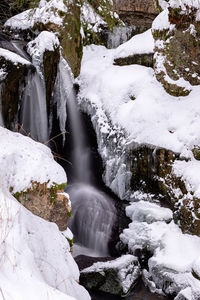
x,y
116,277
140,59
84,261
14,74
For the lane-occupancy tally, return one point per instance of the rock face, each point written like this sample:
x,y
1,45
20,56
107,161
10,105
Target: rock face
x,y
14,70
140,13
116,277
140,59
51,204
176,32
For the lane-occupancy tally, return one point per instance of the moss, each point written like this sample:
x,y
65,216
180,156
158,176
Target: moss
x,y
70,38
24,4
69,214
35,189
132,98
61,13
53,191
71,242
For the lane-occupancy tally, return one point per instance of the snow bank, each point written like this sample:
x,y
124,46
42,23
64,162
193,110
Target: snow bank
x,y
47,12
136,45
175,255
24,161
36,262
35,258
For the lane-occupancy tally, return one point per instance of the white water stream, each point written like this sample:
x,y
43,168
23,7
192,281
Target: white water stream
x,y
93,211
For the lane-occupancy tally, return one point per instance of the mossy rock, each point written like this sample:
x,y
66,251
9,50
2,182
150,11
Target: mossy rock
x,y
46,202
140,59
180,52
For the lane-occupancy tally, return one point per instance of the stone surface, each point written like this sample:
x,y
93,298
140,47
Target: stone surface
x,y
15,74
136,12
177,51
50,204
140,59
116,277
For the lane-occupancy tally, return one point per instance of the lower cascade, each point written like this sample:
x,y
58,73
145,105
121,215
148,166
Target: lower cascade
x,y
94,212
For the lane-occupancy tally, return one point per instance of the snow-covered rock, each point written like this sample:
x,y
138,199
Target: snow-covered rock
x,y
173,267
20,160
134,117
35,258
116,277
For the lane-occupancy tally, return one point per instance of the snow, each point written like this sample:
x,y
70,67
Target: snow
x,y
174,255
20,160
36,262
47,12
13,57
91,18
136,45
161,22
45,41
144,211
35,258
153,118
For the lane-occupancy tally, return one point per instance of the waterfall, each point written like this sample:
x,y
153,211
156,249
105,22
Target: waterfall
x,y
33,115
93,211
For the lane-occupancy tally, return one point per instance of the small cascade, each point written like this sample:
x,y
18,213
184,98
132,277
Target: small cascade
x,y
93,215
93,211
33,115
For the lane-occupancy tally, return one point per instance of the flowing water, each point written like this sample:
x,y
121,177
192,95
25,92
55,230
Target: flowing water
x,y
93,210
33,115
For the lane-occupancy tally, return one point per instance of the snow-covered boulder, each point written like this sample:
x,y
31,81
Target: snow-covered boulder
x,y
60,17
174,256
41,191
36,262
116,277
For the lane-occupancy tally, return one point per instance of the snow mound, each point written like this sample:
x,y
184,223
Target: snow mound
x,y
175,256
136,45
35,258
24,161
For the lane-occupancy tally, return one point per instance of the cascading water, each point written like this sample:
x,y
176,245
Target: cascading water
x,y
93,210
33,115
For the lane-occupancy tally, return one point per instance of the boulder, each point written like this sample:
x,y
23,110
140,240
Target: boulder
x,y
116,277
51,204
140,13
177,47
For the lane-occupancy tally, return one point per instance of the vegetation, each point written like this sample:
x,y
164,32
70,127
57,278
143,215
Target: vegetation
x,y
24,4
